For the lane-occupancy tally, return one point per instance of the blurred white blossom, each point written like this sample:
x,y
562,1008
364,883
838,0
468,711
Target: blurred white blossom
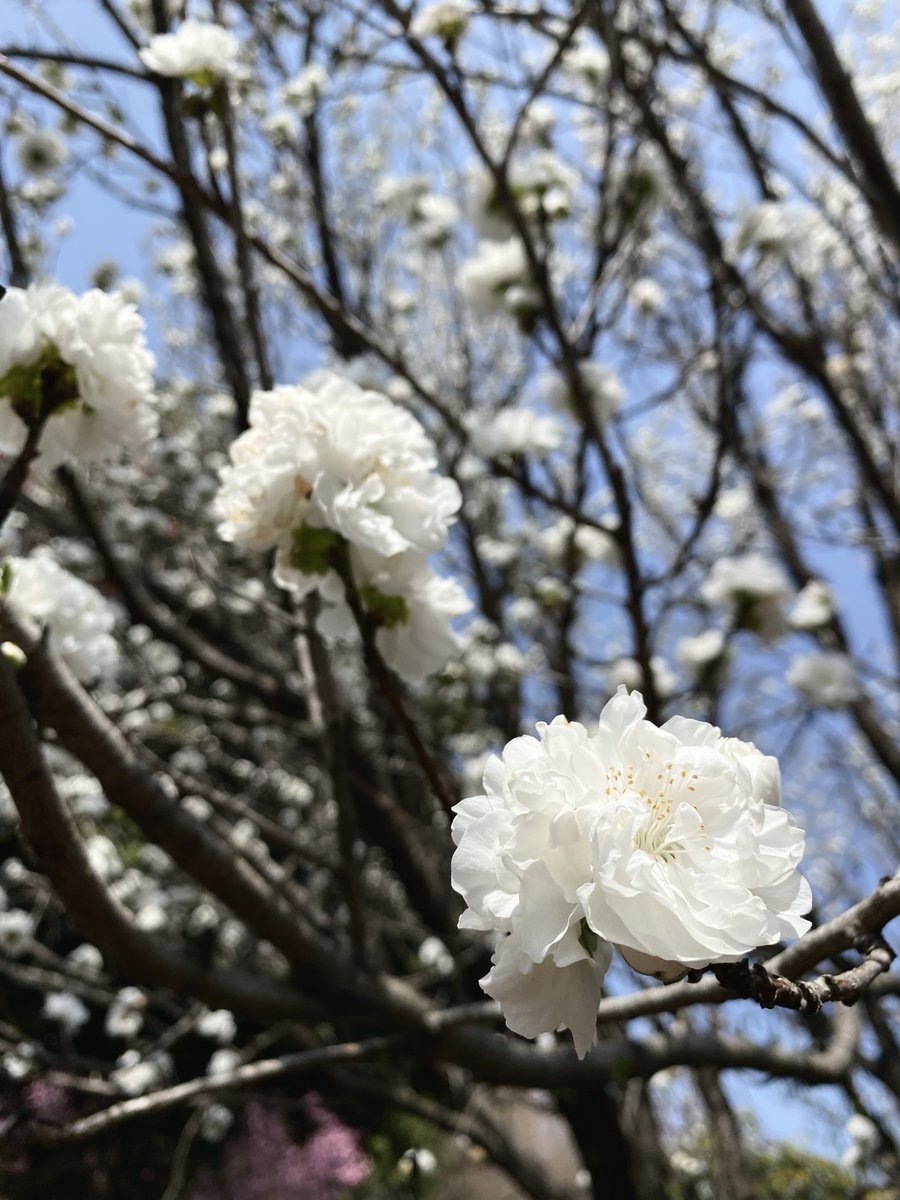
x,y
78,617
80,365
826,678
200,51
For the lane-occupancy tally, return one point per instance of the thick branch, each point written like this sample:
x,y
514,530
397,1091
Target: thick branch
x,y
54,838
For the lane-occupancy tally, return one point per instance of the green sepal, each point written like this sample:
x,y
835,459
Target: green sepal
x,y
316,551
587,939
387,611
41,388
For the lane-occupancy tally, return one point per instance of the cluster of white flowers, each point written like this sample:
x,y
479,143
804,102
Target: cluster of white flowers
x,y
80,364
647,296
342,483
304,91
125,1016
667,842
753,590
814,606
514,431
78,617
864,1139
41,152
826,678
66,1010
589,544
16,931
497,279
601,384
199,51
430,216
698,655
543,185
447,19
219,1025
766,227
136,1076
586,61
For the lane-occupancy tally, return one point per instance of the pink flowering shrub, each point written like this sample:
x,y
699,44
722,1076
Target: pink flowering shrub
x,y
265,1163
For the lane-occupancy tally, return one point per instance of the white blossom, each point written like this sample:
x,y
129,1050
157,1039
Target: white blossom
x,y
413,605
78,617
667,842
16,931
647,296
417,1161
223,1062
79,363
41,151
814,606
343,483
135,1075
687,1164
200,51
86,958
586,60
542,184
447,19
219,1025
215,1122
66,1009
826,678
125,1016
497,279
766,227
433,953
19,1062
306,88
327,454
514,431
434,218
753,589
591,545
862,1131
697,654
601,384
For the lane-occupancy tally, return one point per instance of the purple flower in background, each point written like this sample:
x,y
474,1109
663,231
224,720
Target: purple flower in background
x,y
264,1163
48,1101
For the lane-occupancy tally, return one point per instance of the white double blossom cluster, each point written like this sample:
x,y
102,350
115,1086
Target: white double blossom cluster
x,y
79,618
199,51
667,842
79,367
447,19
342,483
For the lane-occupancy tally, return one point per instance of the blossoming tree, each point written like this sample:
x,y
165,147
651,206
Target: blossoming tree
x,y
427,560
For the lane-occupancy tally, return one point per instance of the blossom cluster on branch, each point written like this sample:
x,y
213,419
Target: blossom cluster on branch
x,y
667,842
341,483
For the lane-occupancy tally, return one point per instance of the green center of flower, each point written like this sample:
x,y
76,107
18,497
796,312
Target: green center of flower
x,y
315,551
386,611
39,390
